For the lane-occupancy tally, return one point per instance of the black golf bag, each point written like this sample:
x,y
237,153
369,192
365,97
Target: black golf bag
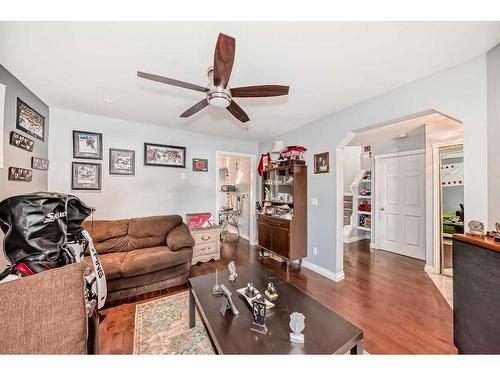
x,y
43,231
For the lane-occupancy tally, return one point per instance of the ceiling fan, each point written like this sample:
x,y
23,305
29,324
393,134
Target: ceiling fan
x,y
218,94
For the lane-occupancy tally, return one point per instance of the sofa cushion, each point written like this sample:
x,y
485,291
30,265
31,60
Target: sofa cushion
x,y
151,231
148,278
44,313
151,259
108,235
111,263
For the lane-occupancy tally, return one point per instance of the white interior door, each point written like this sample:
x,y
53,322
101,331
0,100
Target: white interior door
x,y
402,204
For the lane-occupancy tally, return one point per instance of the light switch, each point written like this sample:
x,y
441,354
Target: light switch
x,y
183,176
314,201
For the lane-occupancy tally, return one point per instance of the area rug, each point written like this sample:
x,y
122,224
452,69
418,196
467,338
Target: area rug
x,y
161,327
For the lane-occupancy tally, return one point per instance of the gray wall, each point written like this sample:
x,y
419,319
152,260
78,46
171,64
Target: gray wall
x,y
459,92
493,136
153,190
13,156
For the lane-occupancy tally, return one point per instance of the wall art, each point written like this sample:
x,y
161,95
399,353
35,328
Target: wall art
x,y
21,141
39,163
200,165
30,121
87,145
164,155
86,176
322,163
20,174
121,162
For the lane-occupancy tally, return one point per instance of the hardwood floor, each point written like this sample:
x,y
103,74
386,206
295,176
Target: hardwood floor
x,y
387,295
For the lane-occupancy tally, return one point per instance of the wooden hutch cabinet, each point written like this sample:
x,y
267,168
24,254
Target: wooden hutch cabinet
x,y
282,232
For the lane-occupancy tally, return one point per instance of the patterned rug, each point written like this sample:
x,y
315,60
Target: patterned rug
x,y
161,327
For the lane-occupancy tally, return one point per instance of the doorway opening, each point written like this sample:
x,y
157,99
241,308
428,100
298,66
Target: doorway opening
x,y
451,165
385,188
235,196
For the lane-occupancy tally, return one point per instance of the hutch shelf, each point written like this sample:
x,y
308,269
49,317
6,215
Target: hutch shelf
x,y
282,221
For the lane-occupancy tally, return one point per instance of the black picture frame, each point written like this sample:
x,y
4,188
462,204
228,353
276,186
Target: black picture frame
x,y
82,154
21,141
82,186
182,149
121,172
38,119
200,165
40,164
20,174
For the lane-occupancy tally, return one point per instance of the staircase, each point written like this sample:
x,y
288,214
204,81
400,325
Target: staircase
x,y
347,208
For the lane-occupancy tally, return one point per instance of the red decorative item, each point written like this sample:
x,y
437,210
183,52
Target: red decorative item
x,y
265,160
294,152
199,220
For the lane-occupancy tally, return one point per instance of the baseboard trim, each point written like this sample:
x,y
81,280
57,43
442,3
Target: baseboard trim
x,y
430,269
323,271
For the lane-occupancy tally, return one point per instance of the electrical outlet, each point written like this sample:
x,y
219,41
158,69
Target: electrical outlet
x,y
315,251
314,201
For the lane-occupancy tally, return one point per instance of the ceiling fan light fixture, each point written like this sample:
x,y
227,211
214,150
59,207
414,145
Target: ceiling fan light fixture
x,y
219,98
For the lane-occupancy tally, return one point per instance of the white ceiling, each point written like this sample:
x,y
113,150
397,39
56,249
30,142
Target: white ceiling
x,y
329,66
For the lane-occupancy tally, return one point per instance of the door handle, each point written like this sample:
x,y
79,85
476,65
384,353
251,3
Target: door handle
x,y
382,209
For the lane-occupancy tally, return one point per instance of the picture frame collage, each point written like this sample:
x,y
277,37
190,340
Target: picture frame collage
x,y
32,124
87,175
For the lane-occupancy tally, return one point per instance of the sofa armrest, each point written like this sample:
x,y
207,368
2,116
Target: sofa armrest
x,y
180,237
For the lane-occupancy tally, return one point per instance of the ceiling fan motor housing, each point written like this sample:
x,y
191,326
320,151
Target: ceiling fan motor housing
x,y
218,97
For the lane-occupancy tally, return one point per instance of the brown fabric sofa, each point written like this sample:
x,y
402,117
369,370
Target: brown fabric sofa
x,y
44,313
142,255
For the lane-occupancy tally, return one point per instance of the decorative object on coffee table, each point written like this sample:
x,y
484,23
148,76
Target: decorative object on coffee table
x,y
200,165
206,243
87,145
270,292
164,155
259,309
297,325
20,174
39,163
232,271
254,294
227,303
86,176
21,141
476,227
121,162
30,121
216,290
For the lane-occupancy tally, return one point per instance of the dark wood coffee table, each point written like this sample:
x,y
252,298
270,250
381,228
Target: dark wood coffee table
x,y
325,332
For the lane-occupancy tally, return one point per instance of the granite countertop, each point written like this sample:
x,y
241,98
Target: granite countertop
x,y
486,242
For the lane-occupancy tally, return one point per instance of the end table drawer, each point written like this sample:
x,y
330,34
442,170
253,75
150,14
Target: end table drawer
x,y
205,249
202,237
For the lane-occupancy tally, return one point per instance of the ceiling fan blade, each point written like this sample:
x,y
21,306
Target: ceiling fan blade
x,y
170,81
259,91
237,112
195,108
223,59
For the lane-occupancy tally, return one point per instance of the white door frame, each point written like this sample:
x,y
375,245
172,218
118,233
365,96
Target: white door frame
x,y
376,197
252,196
436,206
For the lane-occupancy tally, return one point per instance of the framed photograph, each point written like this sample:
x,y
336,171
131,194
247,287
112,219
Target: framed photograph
x,y
164,155
200,165
39,163
322,163
87,145
21,141
86,176
20,174
121,162
30,121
